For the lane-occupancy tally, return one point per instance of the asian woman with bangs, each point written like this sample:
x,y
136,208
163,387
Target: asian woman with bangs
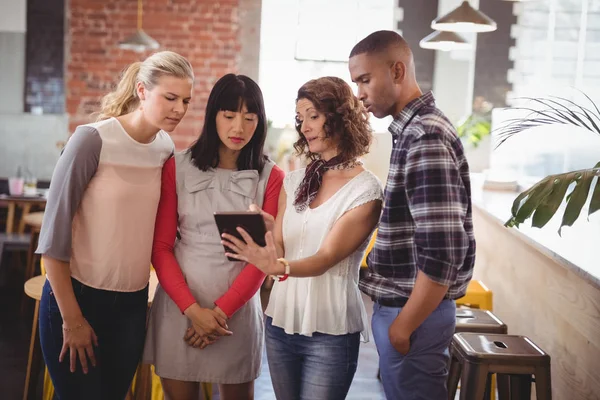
x,y
206,322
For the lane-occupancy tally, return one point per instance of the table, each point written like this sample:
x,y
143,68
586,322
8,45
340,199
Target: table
x,y
27,202
33,288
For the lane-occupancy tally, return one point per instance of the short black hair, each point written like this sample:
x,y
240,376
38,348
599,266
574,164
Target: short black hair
x,y
378,42
230,93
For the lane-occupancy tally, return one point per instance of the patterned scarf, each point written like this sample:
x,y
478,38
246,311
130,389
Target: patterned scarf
x,y
313,177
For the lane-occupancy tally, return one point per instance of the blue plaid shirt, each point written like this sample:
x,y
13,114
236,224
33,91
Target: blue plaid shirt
x,y
426,222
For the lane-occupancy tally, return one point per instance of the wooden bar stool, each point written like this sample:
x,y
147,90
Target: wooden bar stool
x,y
513,358
34,222
145,386
33,288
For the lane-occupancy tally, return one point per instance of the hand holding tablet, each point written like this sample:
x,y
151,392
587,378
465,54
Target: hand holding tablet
x,y
251,221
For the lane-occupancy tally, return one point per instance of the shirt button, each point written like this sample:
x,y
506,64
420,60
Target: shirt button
x,y
395,141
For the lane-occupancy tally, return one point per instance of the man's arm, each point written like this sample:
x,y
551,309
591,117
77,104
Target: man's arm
x,y
438,202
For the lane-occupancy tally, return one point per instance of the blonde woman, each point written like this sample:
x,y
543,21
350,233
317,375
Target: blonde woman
x,y
96,239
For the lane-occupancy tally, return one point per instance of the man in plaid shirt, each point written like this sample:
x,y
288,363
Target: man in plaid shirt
x,y
425,249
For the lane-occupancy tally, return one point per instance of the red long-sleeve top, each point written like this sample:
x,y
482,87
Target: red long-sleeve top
x,y
163,257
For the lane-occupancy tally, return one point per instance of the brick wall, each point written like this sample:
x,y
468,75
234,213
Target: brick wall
x,y
207,32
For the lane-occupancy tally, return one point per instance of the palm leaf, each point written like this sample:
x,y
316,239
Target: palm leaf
x,y
577,198
541,201
544,198
595,201
554,110
548,206
527,202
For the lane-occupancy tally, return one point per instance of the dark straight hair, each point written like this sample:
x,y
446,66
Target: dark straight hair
x,y
231,93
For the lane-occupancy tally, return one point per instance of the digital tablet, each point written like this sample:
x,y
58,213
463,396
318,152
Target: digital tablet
x,y
252,222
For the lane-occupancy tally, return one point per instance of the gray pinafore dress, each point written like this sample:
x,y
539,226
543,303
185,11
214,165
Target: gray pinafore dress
x,y
208,273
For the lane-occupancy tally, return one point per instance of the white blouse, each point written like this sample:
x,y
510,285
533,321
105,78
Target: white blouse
x,y
330,303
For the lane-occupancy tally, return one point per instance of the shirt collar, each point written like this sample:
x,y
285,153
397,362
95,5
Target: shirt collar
x,y
403,118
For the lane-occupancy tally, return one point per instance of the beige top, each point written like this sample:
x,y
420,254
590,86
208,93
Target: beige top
x,y
102,206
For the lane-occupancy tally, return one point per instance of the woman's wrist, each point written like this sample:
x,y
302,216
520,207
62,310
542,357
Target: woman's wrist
x,y
191,309
276,267
285,265
218,310
72,320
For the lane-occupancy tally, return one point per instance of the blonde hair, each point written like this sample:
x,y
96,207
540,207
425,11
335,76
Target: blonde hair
x,y
124,98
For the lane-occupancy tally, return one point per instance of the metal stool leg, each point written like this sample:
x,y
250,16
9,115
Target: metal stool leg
x,y
473,380
503,387
543,387
520,387
488,387
453,377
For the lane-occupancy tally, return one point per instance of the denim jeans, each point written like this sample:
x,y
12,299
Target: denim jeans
x,y
119,321
420,374
320,367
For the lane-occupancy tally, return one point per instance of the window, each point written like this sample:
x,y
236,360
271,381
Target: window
x,y
557,48
44,76
327,30
557,53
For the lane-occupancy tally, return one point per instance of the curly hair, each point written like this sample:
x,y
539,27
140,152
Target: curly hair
x,y
345,117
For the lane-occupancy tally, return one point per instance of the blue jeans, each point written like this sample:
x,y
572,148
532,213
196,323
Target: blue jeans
x,y
119,321
421,374
320,367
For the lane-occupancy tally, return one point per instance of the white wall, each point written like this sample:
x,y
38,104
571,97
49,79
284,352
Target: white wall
x,y
29,141
13,15
292,29
330,27
32,142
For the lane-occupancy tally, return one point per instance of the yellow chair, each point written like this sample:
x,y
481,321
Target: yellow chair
x,y
363,264
478,296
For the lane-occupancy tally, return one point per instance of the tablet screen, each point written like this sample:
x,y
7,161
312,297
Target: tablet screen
x,y
252,222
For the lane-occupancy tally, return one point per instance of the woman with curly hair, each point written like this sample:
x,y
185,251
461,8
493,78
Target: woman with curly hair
x,y
327,213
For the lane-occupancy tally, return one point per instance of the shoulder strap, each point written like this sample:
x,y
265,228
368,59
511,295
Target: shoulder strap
x,y
262,182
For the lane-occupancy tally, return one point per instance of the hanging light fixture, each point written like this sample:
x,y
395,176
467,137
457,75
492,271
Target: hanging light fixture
x,y
464,18
140,40
444,41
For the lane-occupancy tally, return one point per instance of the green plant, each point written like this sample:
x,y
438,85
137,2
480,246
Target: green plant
x,y
475,128
478,125
542,200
